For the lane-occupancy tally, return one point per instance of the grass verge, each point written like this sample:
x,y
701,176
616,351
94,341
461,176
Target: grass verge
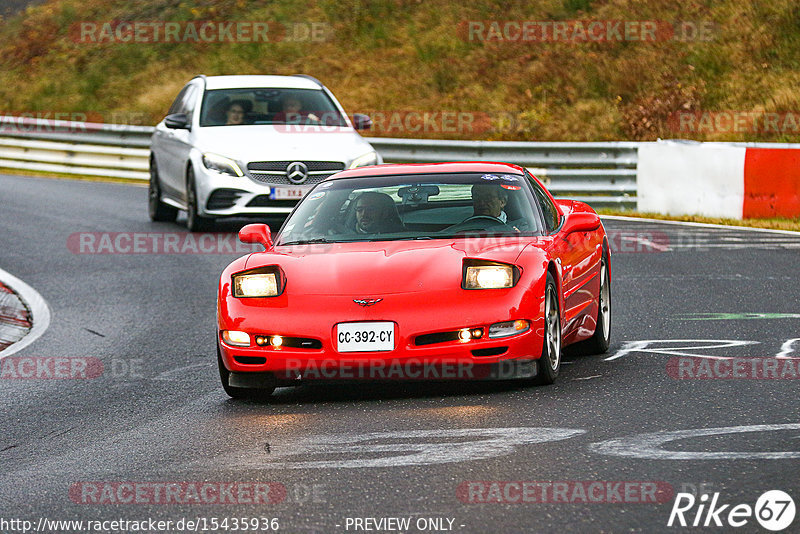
x,y
771,224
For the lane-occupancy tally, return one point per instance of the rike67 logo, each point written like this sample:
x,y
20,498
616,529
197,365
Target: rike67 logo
x,y
774,510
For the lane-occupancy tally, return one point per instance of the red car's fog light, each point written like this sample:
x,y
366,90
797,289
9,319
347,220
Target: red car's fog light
x,y
508,328
275,341
466,334
236,338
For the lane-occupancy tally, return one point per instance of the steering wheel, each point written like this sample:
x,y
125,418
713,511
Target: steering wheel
x,y
476,217
476,222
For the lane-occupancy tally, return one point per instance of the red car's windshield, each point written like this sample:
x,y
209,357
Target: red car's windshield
x,y
435,206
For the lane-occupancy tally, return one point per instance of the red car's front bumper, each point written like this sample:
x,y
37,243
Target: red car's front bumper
x,y
412,314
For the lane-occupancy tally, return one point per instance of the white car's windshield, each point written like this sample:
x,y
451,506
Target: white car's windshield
x,y
233,107
417,206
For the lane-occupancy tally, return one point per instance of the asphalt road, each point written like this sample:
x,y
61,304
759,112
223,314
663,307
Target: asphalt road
x,y
337,453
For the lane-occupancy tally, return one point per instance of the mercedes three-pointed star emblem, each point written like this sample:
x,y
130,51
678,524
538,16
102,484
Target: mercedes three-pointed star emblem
x,y
297,172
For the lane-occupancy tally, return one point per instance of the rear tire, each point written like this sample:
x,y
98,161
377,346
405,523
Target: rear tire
x,y
158,211
194,221
236,392
549,364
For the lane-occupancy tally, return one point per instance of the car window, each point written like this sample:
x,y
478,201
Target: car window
x,y
430,206
264,105
177,104
549,211
188,103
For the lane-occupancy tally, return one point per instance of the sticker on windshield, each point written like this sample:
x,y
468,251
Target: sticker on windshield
x,y
506,177
510,187
316,195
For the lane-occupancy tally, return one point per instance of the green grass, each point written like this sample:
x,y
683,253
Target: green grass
x,y
399,55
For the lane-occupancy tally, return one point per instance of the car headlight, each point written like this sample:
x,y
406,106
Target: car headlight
x,y
262,282
370,158
221,164
236,338
489,275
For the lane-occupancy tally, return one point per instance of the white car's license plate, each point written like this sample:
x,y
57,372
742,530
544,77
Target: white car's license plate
x,y
283,193
365,337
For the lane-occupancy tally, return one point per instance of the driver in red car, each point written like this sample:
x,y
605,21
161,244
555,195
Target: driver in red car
x,y
489,200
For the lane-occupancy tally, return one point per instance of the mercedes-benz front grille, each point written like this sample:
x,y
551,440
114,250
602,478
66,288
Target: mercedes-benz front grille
x,y
274,172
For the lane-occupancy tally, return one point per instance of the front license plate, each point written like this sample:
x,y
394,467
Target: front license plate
x,y
284,193
365,337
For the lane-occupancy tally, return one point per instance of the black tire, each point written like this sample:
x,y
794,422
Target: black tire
x,y
194,221
236,392
549,364
601,339
158,211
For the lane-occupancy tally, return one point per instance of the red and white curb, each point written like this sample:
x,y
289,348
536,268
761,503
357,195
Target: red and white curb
x,y
24,314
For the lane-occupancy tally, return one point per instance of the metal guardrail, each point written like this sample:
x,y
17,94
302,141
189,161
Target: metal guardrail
x,y
602,174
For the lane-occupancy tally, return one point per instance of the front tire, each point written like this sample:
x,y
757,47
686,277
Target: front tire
x,y
549,364
158,211
194,221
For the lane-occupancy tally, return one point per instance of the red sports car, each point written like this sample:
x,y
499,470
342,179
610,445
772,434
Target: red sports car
x,y
417,272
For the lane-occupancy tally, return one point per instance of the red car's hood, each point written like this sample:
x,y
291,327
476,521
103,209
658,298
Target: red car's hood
x,y
383,268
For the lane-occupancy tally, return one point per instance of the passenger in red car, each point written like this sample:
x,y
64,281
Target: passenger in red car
x,y
376,213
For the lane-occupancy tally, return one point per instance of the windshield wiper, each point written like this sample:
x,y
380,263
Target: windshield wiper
x,y
306,241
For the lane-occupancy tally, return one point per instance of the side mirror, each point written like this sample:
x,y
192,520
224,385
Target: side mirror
x,y
581,221
177,121
361,121
256,233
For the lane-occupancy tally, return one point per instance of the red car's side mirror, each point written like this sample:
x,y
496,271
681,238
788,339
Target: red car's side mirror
x,y
256,233
581,221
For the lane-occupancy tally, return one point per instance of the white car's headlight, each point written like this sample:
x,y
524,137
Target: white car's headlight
x,y
489,276
265,282
370,158
221,164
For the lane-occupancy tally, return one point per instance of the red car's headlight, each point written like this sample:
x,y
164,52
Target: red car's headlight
x,y
488,275
261,282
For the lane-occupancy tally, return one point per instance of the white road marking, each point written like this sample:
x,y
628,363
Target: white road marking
x,y
177,373
40,312
649,446
399,448
645,242
786,349
644,346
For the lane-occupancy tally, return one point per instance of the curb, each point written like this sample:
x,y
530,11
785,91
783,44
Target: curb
x,y
15,318
24,314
